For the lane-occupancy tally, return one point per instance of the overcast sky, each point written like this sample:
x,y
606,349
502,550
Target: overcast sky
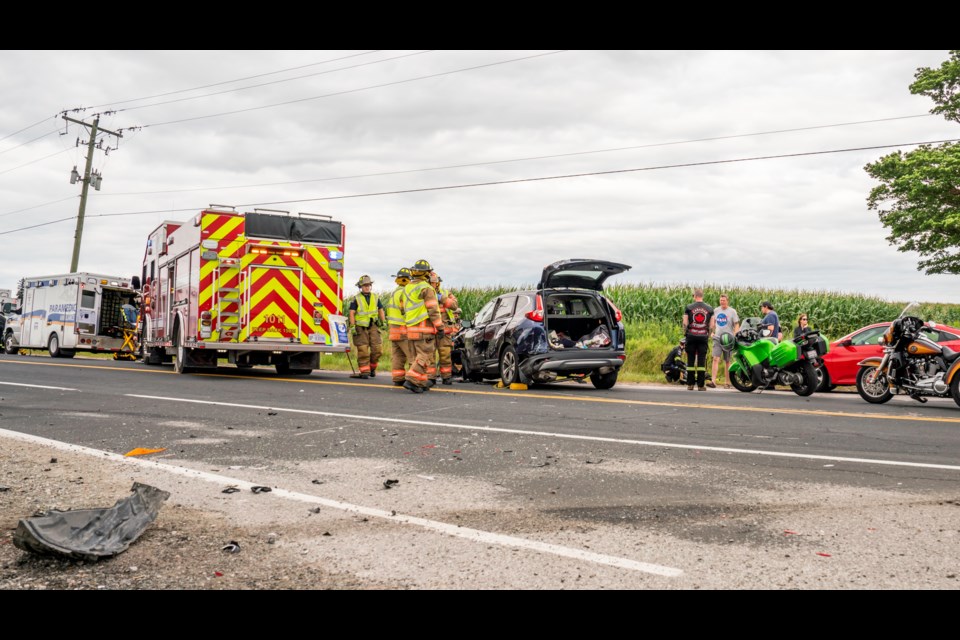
x,y
362,122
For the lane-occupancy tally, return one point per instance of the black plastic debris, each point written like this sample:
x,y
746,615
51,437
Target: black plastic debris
x,y
231,547
317,481
4,488
53,461
261,489
231,490
594,461
91,534
271,413
388,484
316,510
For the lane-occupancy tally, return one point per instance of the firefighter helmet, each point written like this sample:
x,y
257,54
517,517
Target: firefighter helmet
x,y
421,267
364,279
403,273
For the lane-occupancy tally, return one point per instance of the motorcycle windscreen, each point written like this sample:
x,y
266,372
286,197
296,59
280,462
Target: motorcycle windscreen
x,y
275,303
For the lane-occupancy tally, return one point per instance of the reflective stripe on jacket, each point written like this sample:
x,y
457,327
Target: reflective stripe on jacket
x,y
366,311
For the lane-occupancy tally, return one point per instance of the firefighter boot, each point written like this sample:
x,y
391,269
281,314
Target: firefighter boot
x,y
412,387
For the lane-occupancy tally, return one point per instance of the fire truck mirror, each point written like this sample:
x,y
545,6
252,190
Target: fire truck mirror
x,y
135,282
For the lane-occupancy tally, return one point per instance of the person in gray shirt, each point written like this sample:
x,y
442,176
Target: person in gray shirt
x,y
725,320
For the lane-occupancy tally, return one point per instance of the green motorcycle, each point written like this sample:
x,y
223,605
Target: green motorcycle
x,y
760,361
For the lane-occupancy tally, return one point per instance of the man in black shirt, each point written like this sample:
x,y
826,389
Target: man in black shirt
x,y
696,327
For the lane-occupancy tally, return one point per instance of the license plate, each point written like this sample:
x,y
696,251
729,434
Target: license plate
x,y
811,354
317,337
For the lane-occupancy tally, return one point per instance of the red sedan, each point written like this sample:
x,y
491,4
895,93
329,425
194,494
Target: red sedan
x,y
841,361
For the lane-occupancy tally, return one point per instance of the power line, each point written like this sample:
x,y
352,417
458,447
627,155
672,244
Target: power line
x,y
556,177
600,173
217,84
519,180
39,122
264,84
10,213
340,93
35,161
523,159
23,144
44,224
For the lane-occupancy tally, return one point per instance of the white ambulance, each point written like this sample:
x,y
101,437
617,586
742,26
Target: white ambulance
x,y
74,312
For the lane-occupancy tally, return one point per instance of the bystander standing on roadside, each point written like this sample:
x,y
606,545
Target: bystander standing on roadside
x,y
771,321
803,326
725,322
697,320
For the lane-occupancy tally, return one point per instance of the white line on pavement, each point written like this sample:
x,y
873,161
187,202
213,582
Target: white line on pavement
x,y
37,386
649,443
476,535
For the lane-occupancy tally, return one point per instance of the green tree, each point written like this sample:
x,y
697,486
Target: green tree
x,y
918,198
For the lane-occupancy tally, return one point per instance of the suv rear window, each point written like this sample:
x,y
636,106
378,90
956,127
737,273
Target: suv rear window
x,y
566,305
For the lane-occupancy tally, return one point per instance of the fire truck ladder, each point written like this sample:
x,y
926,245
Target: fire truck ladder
x,y
227,320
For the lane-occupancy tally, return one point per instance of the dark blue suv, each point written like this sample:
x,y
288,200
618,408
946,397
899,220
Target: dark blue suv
x,y
565,329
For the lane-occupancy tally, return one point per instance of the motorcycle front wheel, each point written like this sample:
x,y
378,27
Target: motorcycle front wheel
x,y
872,385
810,380
742,382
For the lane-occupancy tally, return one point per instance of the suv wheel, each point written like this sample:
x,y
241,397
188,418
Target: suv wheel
x,y
509,366
604,380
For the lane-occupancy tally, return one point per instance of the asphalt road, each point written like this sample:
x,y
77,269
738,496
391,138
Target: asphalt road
x,y
641,486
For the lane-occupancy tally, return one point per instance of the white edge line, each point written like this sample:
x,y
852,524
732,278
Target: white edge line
x,y
36,386
649,443
475,535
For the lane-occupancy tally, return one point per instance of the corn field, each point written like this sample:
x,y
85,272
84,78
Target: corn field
x,y
652,314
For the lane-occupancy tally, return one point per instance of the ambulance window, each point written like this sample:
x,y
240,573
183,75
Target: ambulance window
x,y
88,300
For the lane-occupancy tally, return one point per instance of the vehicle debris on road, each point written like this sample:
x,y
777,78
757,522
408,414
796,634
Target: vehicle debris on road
x,y
91,534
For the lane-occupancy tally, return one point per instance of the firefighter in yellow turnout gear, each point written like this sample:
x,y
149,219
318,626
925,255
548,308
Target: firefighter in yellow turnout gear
x,y
401,351
422,315
449,311
366,318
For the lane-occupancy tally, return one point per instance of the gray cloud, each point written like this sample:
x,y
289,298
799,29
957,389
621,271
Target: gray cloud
x,y
790,222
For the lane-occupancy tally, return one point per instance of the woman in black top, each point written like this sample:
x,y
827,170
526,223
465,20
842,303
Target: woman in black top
x,y
802,327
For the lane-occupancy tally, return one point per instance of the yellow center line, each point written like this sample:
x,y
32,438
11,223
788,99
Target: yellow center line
x,y
539,396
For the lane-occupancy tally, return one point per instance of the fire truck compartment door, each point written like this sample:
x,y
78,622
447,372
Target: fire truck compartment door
x,y
275,303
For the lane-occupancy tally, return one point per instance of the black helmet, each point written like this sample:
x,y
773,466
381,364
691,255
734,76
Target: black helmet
x,y
402,273
422,266
727,341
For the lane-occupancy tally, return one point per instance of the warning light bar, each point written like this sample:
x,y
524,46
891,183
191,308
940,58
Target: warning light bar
x,y
276,251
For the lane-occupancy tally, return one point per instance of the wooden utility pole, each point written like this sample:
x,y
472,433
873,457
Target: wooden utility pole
x,y
91,144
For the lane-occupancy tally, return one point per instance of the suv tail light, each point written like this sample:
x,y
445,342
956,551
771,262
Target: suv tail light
x,y
537,314
616,312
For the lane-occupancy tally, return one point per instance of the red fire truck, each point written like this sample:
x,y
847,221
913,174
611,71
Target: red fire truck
x,y
260,287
